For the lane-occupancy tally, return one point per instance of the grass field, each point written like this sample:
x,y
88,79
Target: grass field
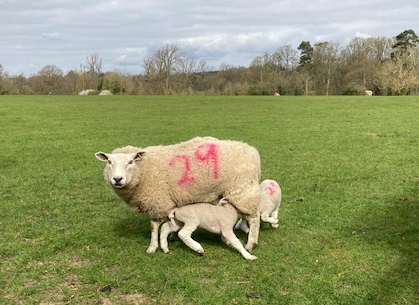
x,y
349,220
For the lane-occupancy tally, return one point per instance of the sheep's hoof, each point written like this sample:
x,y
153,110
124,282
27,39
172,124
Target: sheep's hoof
x,y
201,252
250,247
151,250
275,226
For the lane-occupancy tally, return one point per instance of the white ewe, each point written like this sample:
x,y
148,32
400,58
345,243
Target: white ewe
x,y
219,219
270,200
157,179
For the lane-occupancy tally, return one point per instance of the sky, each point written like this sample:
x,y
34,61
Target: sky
x,y
64,33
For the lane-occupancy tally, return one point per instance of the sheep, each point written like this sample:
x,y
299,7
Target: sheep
x,y
86,92
219,219
270,200
368,92
157,179
277,94
105,92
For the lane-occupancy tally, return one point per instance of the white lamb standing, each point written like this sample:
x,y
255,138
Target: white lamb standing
x,y
219,219
157,179
270,200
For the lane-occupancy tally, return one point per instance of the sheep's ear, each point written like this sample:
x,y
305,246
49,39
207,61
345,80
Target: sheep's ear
x,y
101,156
139,155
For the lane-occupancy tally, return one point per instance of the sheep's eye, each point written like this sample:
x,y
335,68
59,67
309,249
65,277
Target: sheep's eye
x,y
109,162
130,162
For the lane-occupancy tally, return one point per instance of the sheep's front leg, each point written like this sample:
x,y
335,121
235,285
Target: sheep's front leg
x,y
254,225
154,240
185,235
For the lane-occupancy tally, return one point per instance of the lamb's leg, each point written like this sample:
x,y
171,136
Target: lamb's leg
x,y
165,230
231,239
242,225
267,218
275,215
185,235
154,240
254,225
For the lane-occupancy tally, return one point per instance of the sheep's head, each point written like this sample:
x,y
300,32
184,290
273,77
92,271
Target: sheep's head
x,y
120,167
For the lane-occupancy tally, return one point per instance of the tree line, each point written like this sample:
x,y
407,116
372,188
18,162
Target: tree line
x,y
386,66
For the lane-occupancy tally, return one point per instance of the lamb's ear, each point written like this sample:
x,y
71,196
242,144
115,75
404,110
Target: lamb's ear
x,y
101,156
139,155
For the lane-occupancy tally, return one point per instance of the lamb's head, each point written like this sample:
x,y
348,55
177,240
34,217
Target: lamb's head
x,y
120,166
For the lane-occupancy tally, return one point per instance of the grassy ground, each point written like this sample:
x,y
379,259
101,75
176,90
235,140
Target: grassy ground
x,y
349,221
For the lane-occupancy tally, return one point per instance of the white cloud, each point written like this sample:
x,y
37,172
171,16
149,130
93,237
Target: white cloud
x,y
52,36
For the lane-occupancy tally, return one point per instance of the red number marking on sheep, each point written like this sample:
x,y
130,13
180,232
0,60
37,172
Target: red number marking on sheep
x,y
271,188
209,152
186,176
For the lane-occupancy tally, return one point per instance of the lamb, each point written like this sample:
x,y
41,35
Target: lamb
x,y
368,92
157,179
270,200
219,219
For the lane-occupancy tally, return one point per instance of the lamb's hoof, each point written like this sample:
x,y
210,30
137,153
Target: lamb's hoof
x,y
165,251
275,226
201,252
251,257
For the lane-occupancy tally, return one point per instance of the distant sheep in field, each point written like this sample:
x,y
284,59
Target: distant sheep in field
x,y
105,92
270,200
368,92
219,219
86,92
157,179
277,94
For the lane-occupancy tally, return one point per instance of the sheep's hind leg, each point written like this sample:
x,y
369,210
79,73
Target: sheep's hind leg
x,y
185,235
154,240
254,225
231,239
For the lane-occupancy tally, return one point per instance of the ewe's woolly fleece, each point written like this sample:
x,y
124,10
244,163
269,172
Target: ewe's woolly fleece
x,y
155,187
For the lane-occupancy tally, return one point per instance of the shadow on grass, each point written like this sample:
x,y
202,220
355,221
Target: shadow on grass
x,y
394,226
134,226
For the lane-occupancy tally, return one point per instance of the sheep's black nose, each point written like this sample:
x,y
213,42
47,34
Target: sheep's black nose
x,y
117,180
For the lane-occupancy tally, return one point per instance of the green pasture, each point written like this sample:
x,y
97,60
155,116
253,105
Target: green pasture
x,y
349,220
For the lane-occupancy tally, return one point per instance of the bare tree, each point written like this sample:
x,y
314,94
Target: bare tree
x,y
94,67
325,62
167,61
1,78
94,63
49,80
186,66
400,74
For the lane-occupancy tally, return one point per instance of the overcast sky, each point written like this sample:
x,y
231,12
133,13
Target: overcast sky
x,y
37,33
